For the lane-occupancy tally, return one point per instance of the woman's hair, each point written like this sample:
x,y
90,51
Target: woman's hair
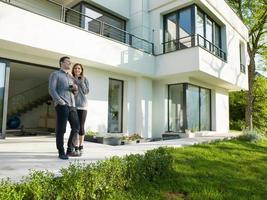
x,y
77,64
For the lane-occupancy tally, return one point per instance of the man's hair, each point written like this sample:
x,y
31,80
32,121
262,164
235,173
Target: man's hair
x,y
62,59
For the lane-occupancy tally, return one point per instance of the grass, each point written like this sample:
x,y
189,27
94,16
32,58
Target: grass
x,y
223,170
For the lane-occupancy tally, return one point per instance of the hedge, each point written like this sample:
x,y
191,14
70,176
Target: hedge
x,y
114,178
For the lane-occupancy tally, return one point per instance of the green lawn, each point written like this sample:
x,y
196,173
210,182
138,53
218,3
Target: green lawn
x,y
224,170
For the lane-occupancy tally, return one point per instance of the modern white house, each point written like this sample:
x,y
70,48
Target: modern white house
x,y
154,66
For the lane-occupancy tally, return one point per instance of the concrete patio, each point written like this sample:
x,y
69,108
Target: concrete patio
x,y
20,154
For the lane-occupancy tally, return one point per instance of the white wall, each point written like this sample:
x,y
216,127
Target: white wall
x,y
160,109
177,62
139,22
40,6
221,111
144,107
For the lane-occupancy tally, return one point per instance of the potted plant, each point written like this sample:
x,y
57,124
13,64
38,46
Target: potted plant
x,y
90,136
134,138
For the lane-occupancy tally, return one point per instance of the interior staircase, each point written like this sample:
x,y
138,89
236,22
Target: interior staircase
x,y
26,101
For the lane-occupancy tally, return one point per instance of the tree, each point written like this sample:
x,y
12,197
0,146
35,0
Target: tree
x,y
238,106
254,14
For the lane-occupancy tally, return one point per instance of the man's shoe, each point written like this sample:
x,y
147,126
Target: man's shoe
x,y
63,156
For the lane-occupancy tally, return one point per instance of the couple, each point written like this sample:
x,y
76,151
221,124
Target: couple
x,y
68,91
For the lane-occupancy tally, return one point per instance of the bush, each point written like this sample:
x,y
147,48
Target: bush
x,y
38,185
10,190
238,125
251,136
107,179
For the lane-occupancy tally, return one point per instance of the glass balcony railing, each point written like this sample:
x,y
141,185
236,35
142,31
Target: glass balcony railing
x,y
67,15
192,41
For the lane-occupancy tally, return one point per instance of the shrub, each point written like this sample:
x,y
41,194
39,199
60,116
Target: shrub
x,y
91,133
237,125
107,179
10,190
251,136
38,185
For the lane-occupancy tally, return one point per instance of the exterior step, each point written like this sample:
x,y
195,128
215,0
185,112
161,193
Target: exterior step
x,y
170,136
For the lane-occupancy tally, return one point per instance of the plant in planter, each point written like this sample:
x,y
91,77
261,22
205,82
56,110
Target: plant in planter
x,y
90,136
134,138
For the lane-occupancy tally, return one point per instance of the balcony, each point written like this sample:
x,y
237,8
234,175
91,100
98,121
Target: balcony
x,y
194,41
73,17
39,35
200,60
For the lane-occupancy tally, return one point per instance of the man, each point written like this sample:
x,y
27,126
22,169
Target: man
x,y
62,89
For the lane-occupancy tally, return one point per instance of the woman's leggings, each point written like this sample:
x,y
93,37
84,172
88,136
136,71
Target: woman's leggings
x,y
82,116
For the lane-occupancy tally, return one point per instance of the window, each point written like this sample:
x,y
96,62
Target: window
x,y
115,103
170,32
205,109
176,108
97,21
200,26
178,25
185,28
181,26
113,25
210,33
189,107
217,39
192,105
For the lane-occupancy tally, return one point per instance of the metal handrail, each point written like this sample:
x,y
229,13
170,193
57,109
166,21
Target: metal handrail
x,y
23,99
212,48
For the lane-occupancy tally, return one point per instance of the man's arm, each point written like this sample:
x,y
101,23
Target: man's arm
x,y
52,90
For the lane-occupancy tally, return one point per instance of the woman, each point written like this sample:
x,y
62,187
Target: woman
x,y
81,100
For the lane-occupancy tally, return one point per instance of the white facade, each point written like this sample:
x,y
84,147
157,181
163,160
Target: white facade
x,y
39,36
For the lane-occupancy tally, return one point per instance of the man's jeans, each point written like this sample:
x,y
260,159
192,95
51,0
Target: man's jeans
x,y
64,114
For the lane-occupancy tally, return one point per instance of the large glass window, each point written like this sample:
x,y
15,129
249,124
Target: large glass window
x,y
178,25
98,21
204,109
185,28
200,26
189,107
209,33
192,105
113,25
176,108
181,25
170,32
115,103
217,39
